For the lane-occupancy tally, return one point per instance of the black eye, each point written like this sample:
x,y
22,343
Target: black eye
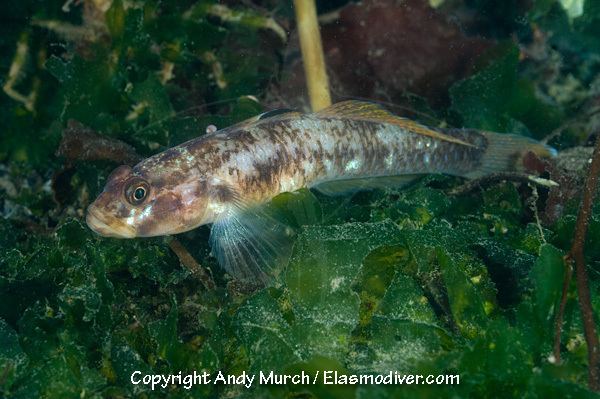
x,y
137,191
139,194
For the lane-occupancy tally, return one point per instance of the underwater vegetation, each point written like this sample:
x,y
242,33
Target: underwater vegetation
x,y
442,277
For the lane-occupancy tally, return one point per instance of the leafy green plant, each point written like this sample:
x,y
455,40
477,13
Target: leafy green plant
x,y
419,280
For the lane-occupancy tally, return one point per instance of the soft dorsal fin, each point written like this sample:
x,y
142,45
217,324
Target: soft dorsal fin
x,y
356,109
363,110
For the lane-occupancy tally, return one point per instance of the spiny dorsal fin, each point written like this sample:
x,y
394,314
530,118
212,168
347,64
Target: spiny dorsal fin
x,y
268,115
275,112
363,110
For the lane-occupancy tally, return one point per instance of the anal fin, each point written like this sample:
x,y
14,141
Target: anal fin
x,y
346,186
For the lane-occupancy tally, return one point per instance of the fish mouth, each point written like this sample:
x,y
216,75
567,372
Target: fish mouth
x,y
107,227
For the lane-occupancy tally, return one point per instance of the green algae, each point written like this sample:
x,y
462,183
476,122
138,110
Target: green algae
x,y
416,280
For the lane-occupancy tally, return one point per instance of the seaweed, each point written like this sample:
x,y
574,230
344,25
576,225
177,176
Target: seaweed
x,y
440,277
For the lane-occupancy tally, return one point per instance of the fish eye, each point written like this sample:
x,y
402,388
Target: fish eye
x,y
137,191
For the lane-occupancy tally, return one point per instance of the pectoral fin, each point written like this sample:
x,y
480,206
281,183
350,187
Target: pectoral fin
x,y
250,244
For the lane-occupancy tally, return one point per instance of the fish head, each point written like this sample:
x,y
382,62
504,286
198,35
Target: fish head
x,y
136,203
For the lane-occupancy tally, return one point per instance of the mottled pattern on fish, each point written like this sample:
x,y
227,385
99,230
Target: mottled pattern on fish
x,y
285,155
217,177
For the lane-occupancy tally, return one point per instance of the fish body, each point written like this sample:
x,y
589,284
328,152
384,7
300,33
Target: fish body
x,y
224,177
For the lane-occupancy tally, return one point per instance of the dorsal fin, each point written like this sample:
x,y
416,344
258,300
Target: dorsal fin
x,y
363,110
268,115
356,109
274,112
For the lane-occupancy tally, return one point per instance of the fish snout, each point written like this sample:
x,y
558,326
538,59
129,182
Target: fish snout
x,y
107,226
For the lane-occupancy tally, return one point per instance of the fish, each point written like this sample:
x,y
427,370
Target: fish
x,y
225,178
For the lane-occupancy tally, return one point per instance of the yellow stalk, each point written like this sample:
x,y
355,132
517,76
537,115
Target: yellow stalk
x,y
312,54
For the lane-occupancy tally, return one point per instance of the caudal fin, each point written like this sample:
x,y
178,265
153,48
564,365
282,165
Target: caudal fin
x,y
505,153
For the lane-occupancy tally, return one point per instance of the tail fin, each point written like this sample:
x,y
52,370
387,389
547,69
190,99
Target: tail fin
x,y
505,153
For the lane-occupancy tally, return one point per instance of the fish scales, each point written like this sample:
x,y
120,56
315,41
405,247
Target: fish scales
x,y
309,151
224,176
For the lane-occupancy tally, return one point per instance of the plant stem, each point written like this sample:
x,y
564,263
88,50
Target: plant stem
x,y
576,253
312,54
561,310
477,183
190,263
